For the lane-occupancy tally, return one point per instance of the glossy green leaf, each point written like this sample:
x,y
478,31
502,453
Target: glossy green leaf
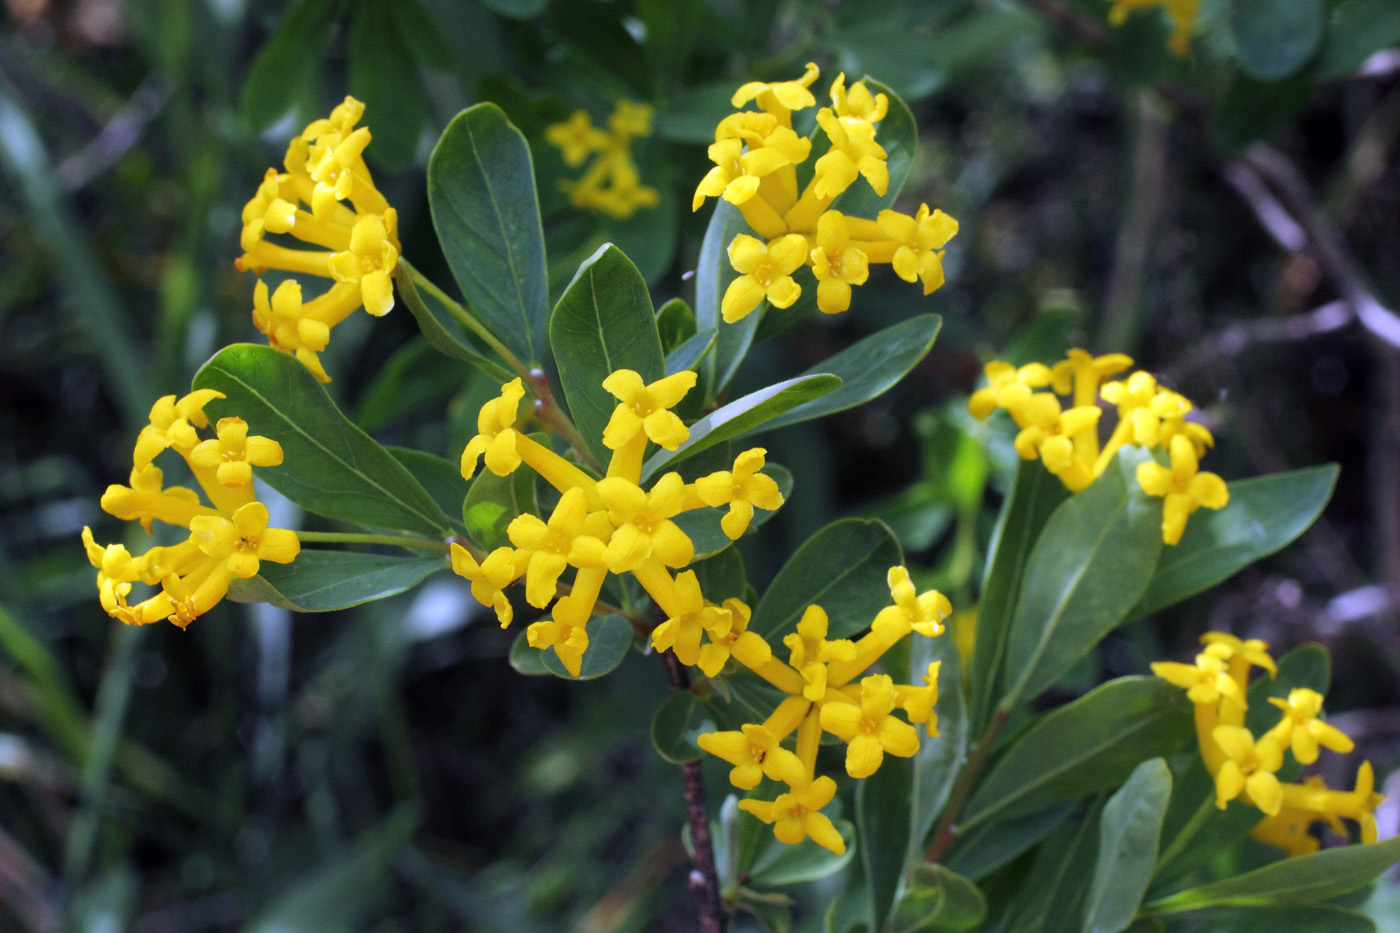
x,y
741,417
690,352
1264,514
780,864
1273,40
675,724
1303,879
675,322
939,759
330,467
440,477
383,74
412,379
603,323
868,368
421,33
703,526
481,187
983,849
1129,831
1089,567
721,576
517,9
494,501
713,274
843,568
1356,30
442,331
1034,496
1082,747
321,581
898,134
883,804
938,900
609,641
1050,897
526,660
1257,918
285,61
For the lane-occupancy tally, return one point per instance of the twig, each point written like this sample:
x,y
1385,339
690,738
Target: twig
x,y
116,138
1237,338
947,832
1137,233
704,878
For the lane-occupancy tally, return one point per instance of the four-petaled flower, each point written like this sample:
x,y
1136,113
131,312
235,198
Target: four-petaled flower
x,y
765,272
868,728
1184,487
797,815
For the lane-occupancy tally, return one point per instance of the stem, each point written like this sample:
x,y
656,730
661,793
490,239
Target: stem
x,y
416,279
340,537
947,832
704,878
548,411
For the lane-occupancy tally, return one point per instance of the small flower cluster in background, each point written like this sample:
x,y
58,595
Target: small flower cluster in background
x,y
226,540
756,156
1181,13
349,219
1065,435
1245,766
611,184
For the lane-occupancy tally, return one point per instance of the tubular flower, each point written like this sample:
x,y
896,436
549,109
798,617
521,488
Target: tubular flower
x,y
755,156
754,752
1245,766
868,729
496,435
742,489
611,185
228,539
811,652
1184,488
349,220
646,409
797,815
1066,439
498,570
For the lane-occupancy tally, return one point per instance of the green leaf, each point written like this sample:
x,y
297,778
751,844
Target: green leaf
x,y
780,864
1049,898
1302,879
689,353
675,322
1249,110
481,187
321,581
1274,40
527,660
675,724
898,133
1034,496
413,378
494,501
517,9
939,759
742,416
1090,566
1264,514
603,323
937,900
422,34
868,369
330,467
285,61
843,568
440,477
983,849
1356,31
721,576
1086,746
609,640
1129,831
51,698
713,273
1257,918
883,804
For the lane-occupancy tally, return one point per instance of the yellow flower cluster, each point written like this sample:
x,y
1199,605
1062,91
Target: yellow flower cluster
x,y
756,156
823,695
612,183
227,539
1245,766
613,525
1065,435
1182,14
355,228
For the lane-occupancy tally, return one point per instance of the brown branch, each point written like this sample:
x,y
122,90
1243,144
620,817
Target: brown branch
x,y
947,832
1237,338
704,877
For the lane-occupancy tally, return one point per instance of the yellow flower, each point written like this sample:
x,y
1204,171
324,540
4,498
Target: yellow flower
x,y
172,425
232,456
370,261
919,702
797,815
1358,805
691,617
853,152
644,408
836,263
496,435
1081,373
868,728
1184,488
498,570
554,545
612,183
733,639
566,634
1049,433
1206,681
754,752
858,102
737,173
643,523
780,98
245,540
912,611
1302,730
1248,769
576,138
810,652
742,489
921,239
1007,386
1182,14
766,272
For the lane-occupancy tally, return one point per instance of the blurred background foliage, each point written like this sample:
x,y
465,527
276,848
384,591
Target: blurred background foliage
x,y
1231,219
